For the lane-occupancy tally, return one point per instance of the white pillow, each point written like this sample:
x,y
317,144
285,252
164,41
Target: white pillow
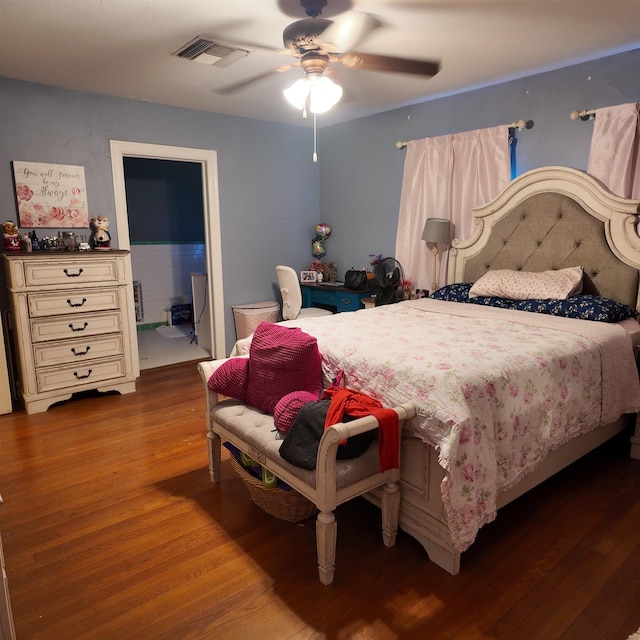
x,y
526,285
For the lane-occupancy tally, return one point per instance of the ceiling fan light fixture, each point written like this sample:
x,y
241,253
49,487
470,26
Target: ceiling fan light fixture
x,y
297,93
324,94
321,92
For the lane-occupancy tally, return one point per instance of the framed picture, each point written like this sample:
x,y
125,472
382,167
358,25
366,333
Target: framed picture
x,y
307,277
50,195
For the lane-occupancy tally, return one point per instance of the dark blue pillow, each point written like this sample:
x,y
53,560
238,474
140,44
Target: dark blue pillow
x,y
493,301
459,292
594,308
583,307
456,292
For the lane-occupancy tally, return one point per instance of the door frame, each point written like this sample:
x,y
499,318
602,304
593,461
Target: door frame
x,y
208,160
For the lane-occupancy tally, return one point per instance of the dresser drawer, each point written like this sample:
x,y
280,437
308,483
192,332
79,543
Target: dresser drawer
x,y
76,301
70,272
78,350
79,374
86,324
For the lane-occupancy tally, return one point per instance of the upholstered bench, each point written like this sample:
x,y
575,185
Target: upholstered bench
x,y
333,481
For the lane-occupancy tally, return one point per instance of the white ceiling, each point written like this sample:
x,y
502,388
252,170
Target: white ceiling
x,y
124,47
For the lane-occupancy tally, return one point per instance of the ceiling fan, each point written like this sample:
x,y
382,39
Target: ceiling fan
x,y
316,42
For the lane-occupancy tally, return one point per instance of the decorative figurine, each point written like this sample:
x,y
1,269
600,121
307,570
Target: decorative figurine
x,y
11,236
100,236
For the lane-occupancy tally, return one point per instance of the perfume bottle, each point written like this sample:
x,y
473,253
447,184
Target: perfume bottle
x,y
26,242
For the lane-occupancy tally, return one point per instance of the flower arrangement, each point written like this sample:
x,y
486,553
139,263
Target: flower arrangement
x,y
326,271
374,259
318,267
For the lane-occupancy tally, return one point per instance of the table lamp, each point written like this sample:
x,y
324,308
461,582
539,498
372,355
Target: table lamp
x,y
436,231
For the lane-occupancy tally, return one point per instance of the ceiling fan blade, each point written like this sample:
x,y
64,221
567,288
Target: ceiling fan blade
x,y
347,31
243,84
372,62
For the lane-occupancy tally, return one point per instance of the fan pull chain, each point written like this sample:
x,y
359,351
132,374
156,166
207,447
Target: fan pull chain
x,y
315,139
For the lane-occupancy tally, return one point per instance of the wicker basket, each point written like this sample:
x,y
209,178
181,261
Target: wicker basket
x,y
286,505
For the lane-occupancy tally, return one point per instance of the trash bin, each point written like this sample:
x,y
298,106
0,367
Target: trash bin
x,y
248,316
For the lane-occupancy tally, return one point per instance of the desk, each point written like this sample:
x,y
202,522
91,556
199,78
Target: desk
x,y
339,298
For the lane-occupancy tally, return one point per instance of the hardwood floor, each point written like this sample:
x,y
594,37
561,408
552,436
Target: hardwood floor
x,y
112,530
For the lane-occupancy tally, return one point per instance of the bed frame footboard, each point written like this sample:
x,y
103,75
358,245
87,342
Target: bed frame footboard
x,y
422,511
421,508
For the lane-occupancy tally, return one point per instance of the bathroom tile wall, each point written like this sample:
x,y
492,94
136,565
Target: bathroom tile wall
x,y
164,272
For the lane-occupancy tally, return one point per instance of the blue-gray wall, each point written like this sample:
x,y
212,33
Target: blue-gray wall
x,y
268,185
361,169
271,194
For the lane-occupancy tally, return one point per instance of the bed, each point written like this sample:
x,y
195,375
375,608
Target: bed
x,y
504,397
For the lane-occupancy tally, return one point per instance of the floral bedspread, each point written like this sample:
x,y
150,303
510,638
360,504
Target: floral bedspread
x,y
496,390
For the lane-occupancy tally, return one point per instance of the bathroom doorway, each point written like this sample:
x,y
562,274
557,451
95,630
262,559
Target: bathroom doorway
x,y
207,161
166,231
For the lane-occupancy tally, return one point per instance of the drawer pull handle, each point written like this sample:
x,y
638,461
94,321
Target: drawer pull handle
x,y
76,304
73,275
86,324
82,377
80,353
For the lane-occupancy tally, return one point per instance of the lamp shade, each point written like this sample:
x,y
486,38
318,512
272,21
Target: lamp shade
x,y
437,230
321,92
324,94
298,92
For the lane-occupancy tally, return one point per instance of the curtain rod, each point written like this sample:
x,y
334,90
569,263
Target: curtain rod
x,y
585,114
520,125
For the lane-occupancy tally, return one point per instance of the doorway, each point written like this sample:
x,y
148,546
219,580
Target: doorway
x,y
166,231
213,259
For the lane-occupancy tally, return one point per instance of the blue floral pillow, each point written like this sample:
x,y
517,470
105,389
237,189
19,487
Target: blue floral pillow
x,y
582,307
456,292
493,301
459,292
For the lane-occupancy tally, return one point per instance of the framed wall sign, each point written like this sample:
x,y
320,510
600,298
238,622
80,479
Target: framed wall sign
x,y
307,276
50,195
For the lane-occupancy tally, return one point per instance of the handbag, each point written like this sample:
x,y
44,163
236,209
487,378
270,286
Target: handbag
x,y
356,280
300,444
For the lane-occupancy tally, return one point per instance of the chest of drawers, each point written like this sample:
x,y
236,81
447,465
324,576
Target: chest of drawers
x,y
73,324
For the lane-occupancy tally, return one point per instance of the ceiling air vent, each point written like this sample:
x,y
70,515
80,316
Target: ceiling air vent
x,y
207,51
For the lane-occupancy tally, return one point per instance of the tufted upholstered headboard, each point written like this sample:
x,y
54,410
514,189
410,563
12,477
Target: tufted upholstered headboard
x,y
552,218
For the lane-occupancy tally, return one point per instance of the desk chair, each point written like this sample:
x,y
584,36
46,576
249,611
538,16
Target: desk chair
x,y
292,296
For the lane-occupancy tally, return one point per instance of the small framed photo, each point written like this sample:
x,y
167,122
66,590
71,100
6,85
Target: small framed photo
x,y
308,276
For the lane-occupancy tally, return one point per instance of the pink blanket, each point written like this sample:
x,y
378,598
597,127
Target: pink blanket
x,y
495,390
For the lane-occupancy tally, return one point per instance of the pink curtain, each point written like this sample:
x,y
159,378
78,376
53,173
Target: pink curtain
x,y
443,178
614,154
